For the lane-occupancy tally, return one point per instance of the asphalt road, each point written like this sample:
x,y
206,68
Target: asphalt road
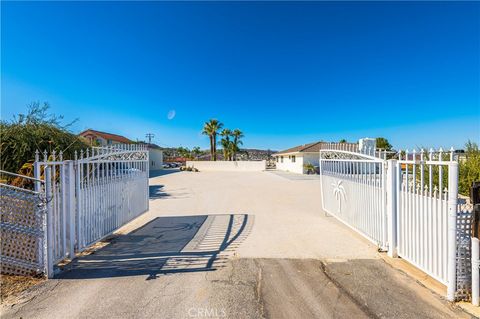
x,y
232,245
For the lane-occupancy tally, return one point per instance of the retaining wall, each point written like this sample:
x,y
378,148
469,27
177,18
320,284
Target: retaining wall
x,y
251,166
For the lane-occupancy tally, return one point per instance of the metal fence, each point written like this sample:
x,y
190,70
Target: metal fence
x,y
408,206
73,204
112,189
348,179
424,186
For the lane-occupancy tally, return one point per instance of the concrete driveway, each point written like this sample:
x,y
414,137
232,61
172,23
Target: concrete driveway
x,y
232,245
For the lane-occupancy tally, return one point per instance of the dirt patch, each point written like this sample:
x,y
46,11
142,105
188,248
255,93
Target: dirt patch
x,y
12,286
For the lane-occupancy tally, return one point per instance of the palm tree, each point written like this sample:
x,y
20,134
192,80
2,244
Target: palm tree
x,y
211,129
226,144
237,135
196,152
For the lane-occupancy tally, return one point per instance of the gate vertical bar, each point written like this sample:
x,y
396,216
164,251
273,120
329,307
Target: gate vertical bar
x,y
36,171
63,208
452,228
391,191
70,203
78,193
49,228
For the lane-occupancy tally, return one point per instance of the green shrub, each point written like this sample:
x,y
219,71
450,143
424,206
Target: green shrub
x,y
36,130
469,168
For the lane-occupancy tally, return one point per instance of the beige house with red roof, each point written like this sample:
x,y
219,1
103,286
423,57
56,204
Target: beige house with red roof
x,y
104,139
98,138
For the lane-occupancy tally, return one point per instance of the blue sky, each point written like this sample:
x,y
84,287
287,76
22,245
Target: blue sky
x,y
284,73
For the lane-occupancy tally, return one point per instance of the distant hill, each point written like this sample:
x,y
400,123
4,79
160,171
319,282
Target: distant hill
x,y
246,154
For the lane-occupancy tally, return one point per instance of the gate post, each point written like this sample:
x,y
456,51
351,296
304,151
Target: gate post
x,y
391,191
49,230
70,199
475,271
452,229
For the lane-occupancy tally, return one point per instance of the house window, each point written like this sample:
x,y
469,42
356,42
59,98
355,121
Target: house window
x,y
293,158
109,142
153,163
281,159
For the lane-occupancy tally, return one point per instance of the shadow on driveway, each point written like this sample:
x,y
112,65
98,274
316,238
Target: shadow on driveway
x,y
166,245
162,172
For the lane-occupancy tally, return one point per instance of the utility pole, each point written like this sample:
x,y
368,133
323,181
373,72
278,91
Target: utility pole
x,y
150,136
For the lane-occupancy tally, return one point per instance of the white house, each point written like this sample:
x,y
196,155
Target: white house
x,y
155,155
293,159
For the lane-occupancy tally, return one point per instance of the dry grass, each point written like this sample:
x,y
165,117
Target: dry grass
x,y
12,286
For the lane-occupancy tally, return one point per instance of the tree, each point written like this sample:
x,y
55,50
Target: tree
x,y
226,144
196,152
35,130
211,129
237,136
469,168
382,143
343,141
184,152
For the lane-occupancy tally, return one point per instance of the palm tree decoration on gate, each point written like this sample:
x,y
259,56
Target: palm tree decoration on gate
x,y
211,129
339,193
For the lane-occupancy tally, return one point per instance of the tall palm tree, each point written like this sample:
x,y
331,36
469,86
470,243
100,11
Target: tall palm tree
x,y
237,136
226,144
211,129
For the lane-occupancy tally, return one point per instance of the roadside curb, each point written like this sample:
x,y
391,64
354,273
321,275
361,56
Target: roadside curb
x,y
428,282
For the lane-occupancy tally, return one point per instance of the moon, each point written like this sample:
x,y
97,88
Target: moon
x,y
171,114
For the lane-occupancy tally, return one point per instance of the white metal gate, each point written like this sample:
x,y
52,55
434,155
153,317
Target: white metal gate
x,y
112,189
90,197
406,205
353,190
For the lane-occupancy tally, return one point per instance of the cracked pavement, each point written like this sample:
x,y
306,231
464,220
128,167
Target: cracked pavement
x,y
232,245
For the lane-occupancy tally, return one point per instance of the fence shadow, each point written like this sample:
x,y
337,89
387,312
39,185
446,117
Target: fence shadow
x,y
166,245
162,172
156,192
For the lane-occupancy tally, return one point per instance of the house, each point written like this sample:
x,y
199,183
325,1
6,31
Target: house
x,y
294,159
98,138
155,156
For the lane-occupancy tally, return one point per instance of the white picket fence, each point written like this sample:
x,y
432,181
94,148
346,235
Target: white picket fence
x,y
90,197
423,212
406,205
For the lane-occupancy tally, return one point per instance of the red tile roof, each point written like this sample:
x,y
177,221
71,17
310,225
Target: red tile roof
x,y
107,136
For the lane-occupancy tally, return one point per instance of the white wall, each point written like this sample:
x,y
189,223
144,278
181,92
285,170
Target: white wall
x,y
156,159
253,166
300,159
288,165
312,158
